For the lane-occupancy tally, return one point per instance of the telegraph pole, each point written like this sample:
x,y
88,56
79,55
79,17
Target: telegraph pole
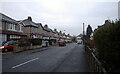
x,y
83,29
83,34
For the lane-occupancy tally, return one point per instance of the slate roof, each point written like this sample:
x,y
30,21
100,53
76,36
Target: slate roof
x,y
52,30
7,19
27,22
56,32
47,29
40,24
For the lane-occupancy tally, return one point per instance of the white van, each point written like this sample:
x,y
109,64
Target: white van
x,y
79,41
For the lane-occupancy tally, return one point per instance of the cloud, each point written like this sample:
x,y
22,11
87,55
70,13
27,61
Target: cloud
x,y
52,5
62,14
61,0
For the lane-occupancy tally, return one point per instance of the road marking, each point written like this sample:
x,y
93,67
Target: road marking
x,y
24,63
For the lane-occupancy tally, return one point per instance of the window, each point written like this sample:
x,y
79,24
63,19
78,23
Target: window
x,y
15,26
14,36
4,26
6,43
12,27
3,37
11,43
20,27
0,26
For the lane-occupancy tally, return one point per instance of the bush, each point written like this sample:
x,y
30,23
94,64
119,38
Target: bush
x,y
27,42
52,40
24,42
107,42
36,41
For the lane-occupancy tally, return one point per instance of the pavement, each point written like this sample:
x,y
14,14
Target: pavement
x,y
69,58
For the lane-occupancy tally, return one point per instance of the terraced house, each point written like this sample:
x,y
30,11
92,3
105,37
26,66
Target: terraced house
x,y
10,29
60,35
32,29
56,34
36,30
49,33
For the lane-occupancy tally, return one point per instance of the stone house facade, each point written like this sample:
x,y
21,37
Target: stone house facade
x,y
32,29
10,29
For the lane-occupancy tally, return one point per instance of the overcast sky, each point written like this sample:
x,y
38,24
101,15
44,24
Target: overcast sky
x,y
63,15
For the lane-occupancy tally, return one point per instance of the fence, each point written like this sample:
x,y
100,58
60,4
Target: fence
x,y
94,63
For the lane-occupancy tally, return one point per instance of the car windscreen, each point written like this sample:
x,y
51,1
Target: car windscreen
x,y
4,43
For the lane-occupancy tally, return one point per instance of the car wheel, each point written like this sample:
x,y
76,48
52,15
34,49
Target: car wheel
x,y
6,50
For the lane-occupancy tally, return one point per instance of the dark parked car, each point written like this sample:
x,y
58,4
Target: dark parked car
x,y
7,46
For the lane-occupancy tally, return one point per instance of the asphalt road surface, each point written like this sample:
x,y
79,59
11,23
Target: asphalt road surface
x,y
69,58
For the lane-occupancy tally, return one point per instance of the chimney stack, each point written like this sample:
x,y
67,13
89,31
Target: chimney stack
x,y
55,30
46,26
29,18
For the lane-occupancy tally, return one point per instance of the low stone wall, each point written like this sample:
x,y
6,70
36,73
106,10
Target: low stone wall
x,y
17,48
54,44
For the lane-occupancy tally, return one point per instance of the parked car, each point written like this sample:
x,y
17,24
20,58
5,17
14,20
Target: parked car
x,y
7,46
79,41
62,43
68,41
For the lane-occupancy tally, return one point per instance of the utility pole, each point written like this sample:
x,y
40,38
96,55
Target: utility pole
x,y
83,30
83,34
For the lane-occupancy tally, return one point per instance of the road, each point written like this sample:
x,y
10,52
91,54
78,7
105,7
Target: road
x,y
70,58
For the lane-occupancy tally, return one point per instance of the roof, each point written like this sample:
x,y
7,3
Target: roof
x,y
56,32
27,22
47,28
60,33
8,19
52,31
40,24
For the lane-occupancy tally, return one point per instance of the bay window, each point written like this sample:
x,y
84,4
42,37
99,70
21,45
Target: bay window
x,y
12,27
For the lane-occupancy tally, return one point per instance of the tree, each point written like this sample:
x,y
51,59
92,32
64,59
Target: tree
x,y
88,32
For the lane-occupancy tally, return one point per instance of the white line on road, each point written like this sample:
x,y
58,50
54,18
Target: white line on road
x,y
24,63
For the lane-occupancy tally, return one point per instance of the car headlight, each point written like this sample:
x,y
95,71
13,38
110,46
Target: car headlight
x,y
2,47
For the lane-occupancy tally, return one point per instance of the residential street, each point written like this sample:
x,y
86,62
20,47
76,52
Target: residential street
x,y
70,58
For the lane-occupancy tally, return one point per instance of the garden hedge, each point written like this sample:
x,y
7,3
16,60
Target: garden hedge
x,y
107,42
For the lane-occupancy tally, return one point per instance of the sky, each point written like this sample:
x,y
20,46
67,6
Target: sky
x,y
65,15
